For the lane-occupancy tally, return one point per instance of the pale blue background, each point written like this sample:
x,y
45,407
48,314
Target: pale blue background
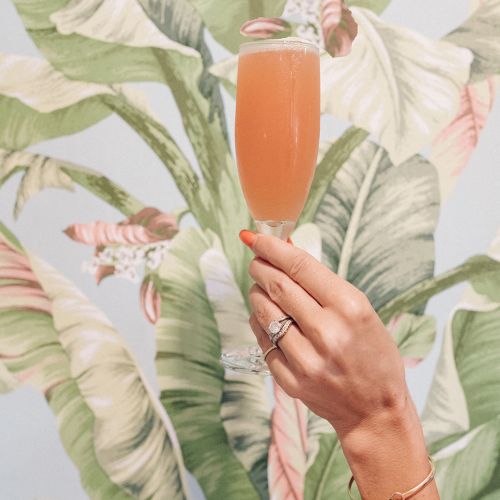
x,y
32,461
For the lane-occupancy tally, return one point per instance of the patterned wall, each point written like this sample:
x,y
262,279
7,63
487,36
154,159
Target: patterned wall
x,y
122,384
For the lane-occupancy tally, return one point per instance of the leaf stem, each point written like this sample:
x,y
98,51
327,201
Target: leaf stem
x,y
423,291
355,218
104,188
327,473
338,153
162,143
207,137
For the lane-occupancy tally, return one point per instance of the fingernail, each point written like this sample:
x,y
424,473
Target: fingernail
x,y
289,240
248,237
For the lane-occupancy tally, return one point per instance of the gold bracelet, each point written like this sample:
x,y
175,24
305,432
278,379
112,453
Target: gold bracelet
x,y
409,493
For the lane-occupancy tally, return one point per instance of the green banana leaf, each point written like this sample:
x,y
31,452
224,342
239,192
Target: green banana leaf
x,y
245,409
479,33
414,335
190,376
327,168
462,417
78,40
378,6
111,423
377,222
327,470
181,22
38,102
480,270
468,464
41,172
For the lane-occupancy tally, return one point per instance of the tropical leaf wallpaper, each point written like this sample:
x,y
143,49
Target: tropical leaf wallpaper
x,y
154,218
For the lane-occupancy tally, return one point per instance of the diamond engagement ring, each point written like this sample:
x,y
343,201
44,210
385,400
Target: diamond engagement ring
x,y
278,328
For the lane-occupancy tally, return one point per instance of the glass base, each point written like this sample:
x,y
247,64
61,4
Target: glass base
x,y
245,360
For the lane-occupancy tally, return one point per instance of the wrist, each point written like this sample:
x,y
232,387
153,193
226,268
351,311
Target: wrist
x,y
386,453
387,427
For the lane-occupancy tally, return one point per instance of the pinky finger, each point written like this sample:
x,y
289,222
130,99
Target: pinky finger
x,y
276,360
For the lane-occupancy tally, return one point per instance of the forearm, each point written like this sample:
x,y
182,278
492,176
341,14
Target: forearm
x,y
387,454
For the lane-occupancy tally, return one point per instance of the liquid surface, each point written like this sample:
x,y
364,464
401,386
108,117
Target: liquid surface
x,y
277,129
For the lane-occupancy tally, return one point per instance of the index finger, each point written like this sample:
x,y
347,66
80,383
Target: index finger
x,y
311,275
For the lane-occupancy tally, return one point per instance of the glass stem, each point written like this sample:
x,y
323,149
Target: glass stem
x,y
282,229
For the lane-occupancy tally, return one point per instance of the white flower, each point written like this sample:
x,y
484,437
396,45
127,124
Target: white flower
x,y
129,273
106,256
307,14
126,259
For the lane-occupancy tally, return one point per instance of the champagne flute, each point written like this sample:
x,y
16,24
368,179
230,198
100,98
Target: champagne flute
x,y
277,134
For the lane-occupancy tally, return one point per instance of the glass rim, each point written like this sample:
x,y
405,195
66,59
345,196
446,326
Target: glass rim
x,y
280,42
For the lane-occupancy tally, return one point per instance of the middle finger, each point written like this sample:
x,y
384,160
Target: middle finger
x,y
289,296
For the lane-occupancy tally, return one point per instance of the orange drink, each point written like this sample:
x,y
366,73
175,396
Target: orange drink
x,y
277,133
277,126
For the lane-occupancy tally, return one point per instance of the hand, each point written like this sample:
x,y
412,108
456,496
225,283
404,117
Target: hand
x,y
339,359
338,345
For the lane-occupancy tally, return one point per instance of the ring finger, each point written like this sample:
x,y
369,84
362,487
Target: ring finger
x,y
298,351
275,359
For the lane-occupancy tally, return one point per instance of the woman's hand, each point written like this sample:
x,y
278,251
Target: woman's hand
x,y
339,359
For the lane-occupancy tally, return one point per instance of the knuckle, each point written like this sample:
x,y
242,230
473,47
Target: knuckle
x,y
298,264
358,308
292,389
301,370
317,370
277,288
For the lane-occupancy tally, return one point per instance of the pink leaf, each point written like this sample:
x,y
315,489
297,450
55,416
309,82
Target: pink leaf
x,y
103,272
287,453
453,147
338,26
147,226
23,290
150,300
161,224
103,233
266,27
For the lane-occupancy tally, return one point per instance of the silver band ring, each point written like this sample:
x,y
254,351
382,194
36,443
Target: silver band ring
x,y
266,354
284,329
278,328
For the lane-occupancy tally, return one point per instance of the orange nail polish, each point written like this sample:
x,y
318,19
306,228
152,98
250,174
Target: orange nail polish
x,y
247,237
289,240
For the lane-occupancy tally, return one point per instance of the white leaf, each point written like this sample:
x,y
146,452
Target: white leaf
x,y
397,84
454,146
374,86
123,22
38,102
39,86
308,238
